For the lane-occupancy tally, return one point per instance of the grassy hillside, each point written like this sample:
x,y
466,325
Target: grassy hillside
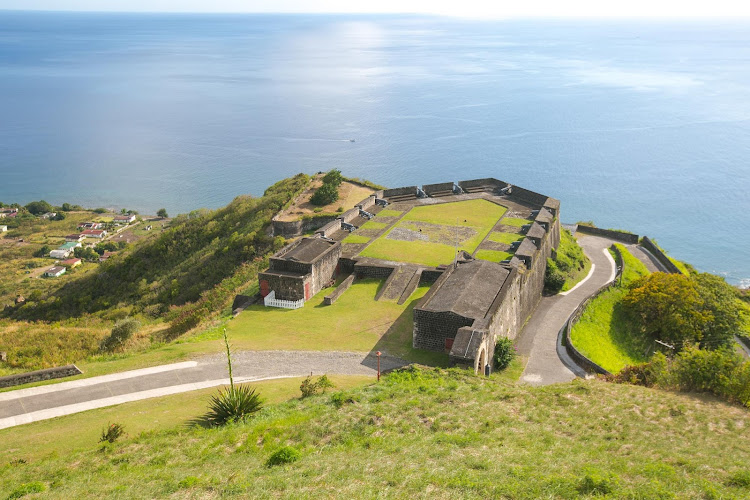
x,y
426,434
197,252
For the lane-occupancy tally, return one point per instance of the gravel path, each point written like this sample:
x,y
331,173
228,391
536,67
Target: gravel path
x,y
49,401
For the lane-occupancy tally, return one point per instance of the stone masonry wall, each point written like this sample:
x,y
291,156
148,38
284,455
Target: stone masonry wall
x,y
400,191
430,189
39,376
292,229
286,287
431,329
324,268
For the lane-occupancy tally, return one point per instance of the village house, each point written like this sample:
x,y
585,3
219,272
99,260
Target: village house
x,y
8,212
60,253
124,219
94,233
74,237
3,229
48,215
105,256
70,263
90,225
54,272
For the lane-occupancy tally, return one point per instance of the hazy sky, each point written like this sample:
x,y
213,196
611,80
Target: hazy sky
x,y
463,8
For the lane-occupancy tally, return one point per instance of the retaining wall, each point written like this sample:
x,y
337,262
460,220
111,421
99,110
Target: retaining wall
x,y
330,228
430,189
400,191
39,375
660,256
527,196
349,215
488,182
292,229
608,233
344,286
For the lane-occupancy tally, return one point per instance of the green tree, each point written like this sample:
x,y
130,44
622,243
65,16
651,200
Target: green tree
x,y
668,307
39,207
333,177
43,251
162,212
325,195
720,302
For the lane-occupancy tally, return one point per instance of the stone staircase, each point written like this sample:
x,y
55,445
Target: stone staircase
x,y
400,281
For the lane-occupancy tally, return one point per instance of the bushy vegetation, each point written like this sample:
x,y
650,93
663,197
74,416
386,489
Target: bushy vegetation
x,y
308,387
505,352
186,263
699,309
329,191
39,207
569,266
284,455
111,433
121,333
722,372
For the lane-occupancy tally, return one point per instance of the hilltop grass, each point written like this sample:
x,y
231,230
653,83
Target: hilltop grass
x,y
81,431
428,434
373,225
507,238
604,333
355,322
570,251
479,215
493,255
515,222
355,238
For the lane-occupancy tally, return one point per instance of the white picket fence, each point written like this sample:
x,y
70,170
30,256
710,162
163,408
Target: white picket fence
x,y
270,300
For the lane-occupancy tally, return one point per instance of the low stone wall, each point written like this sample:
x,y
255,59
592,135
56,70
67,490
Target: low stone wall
x,y
370,271
349,215
431,189
629,238
400,191
330,228
344,286
527,196
367,203
579,358
429,276
39,376
292,229
488,182
660,256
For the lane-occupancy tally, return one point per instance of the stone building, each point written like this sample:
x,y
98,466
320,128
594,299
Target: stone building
x,y
301,269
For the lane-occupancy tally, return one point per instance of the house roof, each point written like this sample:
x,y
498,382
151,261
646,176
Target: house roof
x,y
72,236
70,262
470,290
93,231
55,270
308,250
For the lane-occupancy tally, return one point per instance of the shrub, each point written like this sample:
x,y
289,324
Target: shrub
x,y
284,455
112,433
554,279
333,177
505,351
234,404
121,332
43,251
325,194
310,388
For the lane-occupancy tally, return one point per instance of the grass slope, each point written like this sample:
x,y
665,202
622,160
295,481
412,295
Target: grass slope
x,y
603,333
355,322
427,434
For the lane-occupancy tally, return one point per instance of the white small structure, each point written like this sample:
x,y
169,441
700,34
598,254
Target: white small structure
x,y
54,272
126,219
270,300
3,229
94,233
60,253
49,215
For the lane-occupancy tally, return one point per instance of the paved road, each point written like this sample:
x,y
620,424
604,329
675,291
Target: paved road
x,y
49,401
539,338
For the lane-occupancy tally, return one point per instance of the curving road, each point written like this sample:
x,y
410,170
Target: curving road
x,y
539,338
48,401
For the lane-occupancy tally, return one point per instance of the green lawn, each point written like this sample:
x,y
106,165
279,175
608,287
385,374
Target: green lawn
x,y
387,212
371,224
355,322
493,255
604,333
422,434
81,431
478,215
515,222
355,238
507,238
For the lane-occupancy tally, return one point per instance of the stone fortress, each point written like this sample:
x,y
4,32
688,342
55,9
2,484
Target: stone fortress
x,y
471,301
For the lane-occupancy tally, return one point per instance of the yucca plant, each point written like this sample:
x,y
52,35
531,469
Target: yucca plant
x,y
234,404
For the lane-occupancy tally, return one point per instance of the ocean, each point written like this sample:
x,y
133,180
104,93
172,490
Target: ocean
x,y
640,125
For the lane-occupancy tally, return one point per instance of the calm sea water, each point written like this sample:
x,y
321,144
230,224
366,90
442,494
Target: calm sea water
x,y
636,125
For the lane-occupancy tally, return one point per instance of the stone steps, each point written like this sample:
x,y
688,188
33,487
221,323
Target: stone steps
x,y
397,284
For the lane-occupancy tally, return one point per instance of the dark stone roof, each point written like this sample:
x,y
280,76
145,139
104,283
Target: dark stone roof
x,y
545,216
308,250
526,248
470,290
536,231
552,203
